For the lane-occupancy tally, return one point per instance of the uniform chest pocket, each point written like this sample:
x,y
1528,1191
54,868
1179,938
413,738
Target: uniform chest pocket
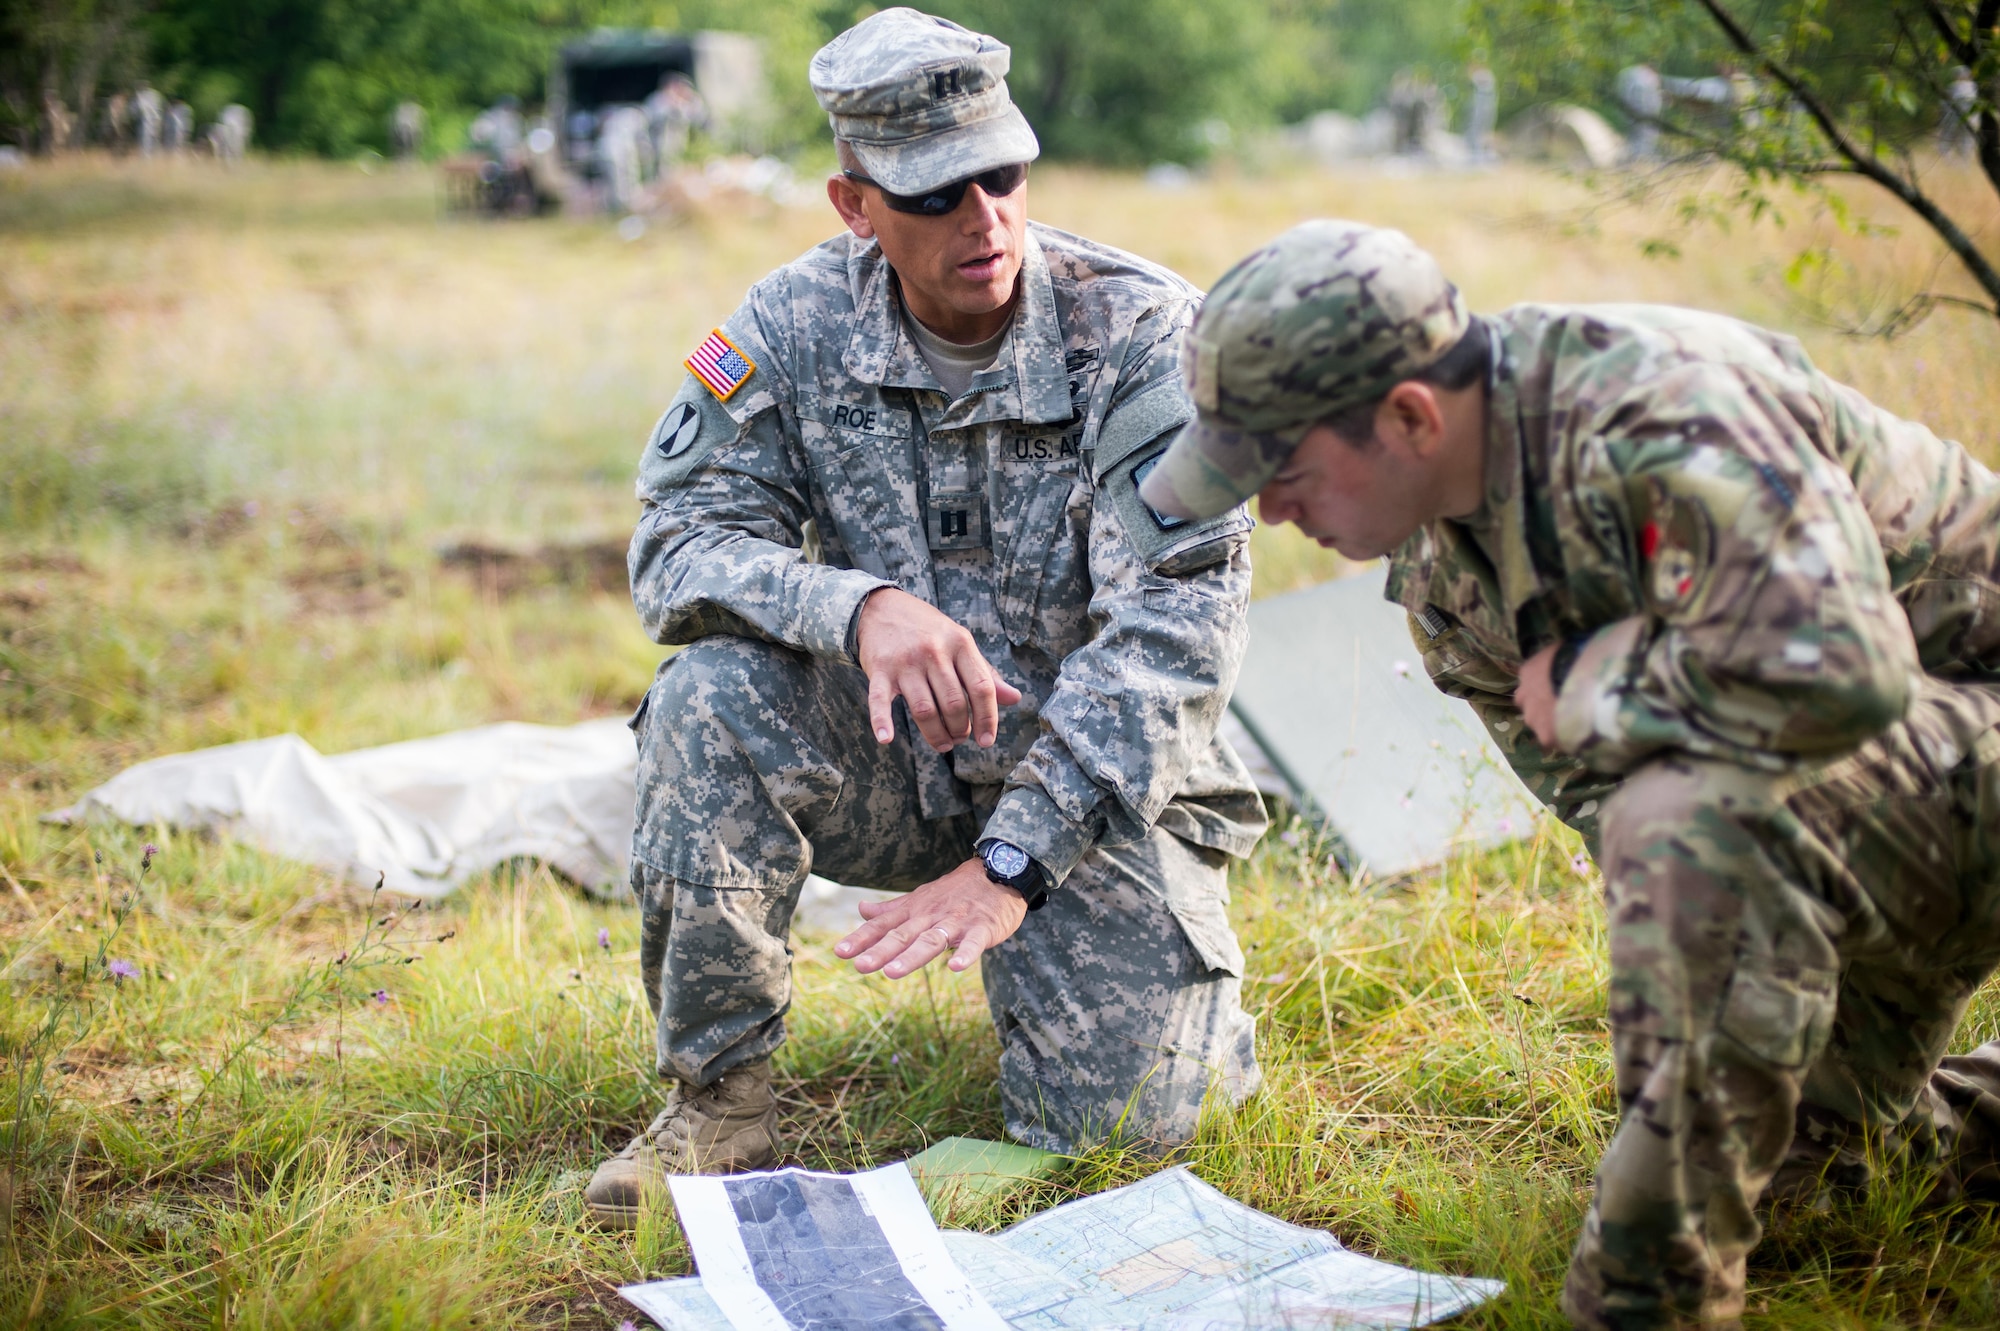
x,y
1453,654
1044,577
863,490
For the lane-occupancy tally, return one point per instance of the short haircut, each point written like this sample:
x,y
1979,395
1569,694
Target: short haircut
x,y
1461,367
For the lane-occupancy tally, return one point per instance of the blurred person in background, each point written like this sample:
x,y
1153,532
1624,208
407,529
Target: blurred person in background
x,y
179,136
1732,622
149,108
673,112
936,643
406,130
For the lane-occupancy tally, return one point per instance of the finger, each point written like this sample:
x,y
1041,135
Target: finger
x,y
969,948
923,707
884,917
892,945
954,708
881,716
979,678
922,949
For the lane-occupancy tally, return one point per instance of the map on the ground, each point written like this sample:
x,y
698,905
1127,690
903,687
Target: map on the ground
x,y
1170,1253
795,1250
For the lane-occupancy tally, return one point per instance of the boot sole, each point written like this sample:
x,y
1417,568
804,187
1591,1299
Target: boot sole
x,y
615,1215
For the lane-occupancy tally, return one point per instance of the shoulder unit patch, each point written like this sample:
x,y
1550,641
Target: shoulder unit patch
x,y
720,366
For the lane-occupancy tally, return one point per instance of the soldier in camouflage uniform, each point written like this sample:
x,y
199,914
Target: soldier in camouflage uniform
x,y
1732,622
905,472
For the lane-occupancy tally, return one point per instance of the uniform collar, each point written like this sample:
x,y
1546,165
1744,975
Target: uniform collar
x,y
1501,525
1028,384
1492,544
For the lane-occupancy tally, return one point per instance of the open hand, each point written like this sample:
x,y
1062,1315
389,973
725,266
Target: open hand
x,y
964,910
912,650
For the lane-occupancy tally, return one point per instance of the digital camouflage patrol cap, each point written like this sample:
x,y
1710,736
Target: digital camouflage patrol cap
x,y
922,101
1327,317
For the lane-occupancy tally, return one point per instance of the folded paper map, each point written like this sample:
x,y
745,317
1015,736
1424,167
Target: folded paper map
x,y
1170,1252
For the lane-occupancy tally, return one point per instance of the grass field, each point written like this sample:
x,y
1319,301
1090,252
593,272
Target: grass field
x,y
284,451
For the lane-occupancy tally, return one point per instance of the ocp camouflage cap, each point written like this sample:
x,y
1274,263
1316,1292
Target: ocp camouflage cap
x,y
922,101
1329,316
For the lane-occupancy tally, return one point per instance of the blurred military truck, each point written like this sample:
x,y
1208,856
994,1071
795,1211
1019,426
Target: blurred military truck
x,y
621,105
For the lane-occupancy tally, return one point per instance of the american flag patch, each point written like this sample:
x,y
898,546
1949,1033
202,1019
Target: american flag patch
x,y
717,363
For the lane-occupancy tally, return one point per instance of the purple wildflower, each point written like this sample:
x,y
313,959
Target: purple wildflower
x,y
1580,863
604,939
1402,668
628,1325
381,997
894,1059
122,971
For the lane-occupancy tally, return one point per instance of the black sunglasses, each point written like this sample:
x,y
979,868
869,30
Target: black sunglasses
x,y
944,200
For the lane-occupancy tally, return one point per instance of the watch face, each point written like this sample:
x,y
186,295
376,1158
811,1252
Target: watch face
x,y
1006,860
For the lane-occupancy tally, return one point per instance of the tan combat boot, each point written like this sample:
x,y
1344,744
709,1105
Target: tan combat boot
x,y
723,1128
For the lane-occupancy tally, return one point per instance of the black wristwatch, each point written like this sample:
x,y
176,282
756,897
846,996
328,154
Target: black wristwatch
x,y
1565,660
1010,866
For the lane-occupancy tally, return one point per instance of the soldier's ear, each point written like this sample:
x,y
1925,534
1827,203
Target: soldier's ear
x,y
845,196
1411,416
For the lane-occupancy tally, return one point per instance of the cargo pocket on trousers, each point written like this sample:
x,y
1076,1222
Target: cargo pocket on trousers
x,y
1779,1012
1203,912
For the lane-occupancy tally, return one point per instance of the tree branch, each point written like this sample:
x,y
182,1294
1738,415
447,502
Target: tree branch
x,y
1961,48
1866,163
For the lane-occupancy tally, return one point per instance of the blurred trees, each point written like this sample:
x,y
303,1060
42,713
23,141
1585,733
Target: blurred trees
x,y
1127,81
67,52
1813,90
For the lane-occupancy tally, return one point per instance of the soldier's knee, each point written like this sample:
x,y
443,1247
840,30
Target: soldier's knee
x,y
716,678
1684,809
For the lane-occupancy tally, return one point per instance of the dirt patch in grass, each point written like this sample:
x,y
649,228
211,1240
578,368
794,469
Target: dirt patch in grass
x,y
597,565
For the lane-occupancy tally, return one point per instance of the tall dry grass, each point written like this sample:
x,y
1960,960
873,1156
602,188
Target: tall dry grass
x,y
243,418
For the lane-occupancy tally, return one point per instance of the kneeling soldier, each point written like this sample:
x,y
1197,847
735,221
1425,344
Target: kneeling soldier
x,y
997,682
1727,618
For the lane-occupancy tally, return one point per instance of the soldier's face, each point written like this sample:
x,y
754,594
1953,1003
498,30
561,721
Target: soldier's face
x,y
1362,499
953,268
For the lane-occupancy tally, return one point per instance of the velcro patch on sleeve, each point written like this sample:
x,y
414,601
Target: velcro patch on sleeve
x,y
693,428
720,365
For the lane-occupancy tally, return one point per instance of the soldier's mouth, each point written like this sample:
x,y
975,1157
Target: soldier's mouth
x,y
984,268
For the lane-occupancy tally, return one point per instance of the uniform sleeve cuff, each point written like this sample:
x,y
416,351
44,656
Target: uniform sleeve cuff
x,y
831,622
1028,818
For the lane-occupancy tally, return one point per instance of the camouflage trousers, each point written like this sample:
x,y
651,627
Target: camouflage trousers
x,y
1790,956
1117,1004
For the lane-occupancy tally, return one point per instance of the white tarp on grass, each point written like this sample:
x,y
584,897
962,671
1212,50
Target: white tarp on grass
x,y
1334,710
425,814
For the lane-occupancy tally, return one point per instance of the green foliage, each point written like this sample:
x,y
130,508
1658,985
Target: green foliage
x,y
74,49
1125,81
1129,81
1341,54
1822,88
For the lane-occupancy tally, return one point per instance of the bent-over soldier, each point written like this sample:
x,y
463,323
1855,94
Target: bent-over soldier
x,y
937,643
1730,620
